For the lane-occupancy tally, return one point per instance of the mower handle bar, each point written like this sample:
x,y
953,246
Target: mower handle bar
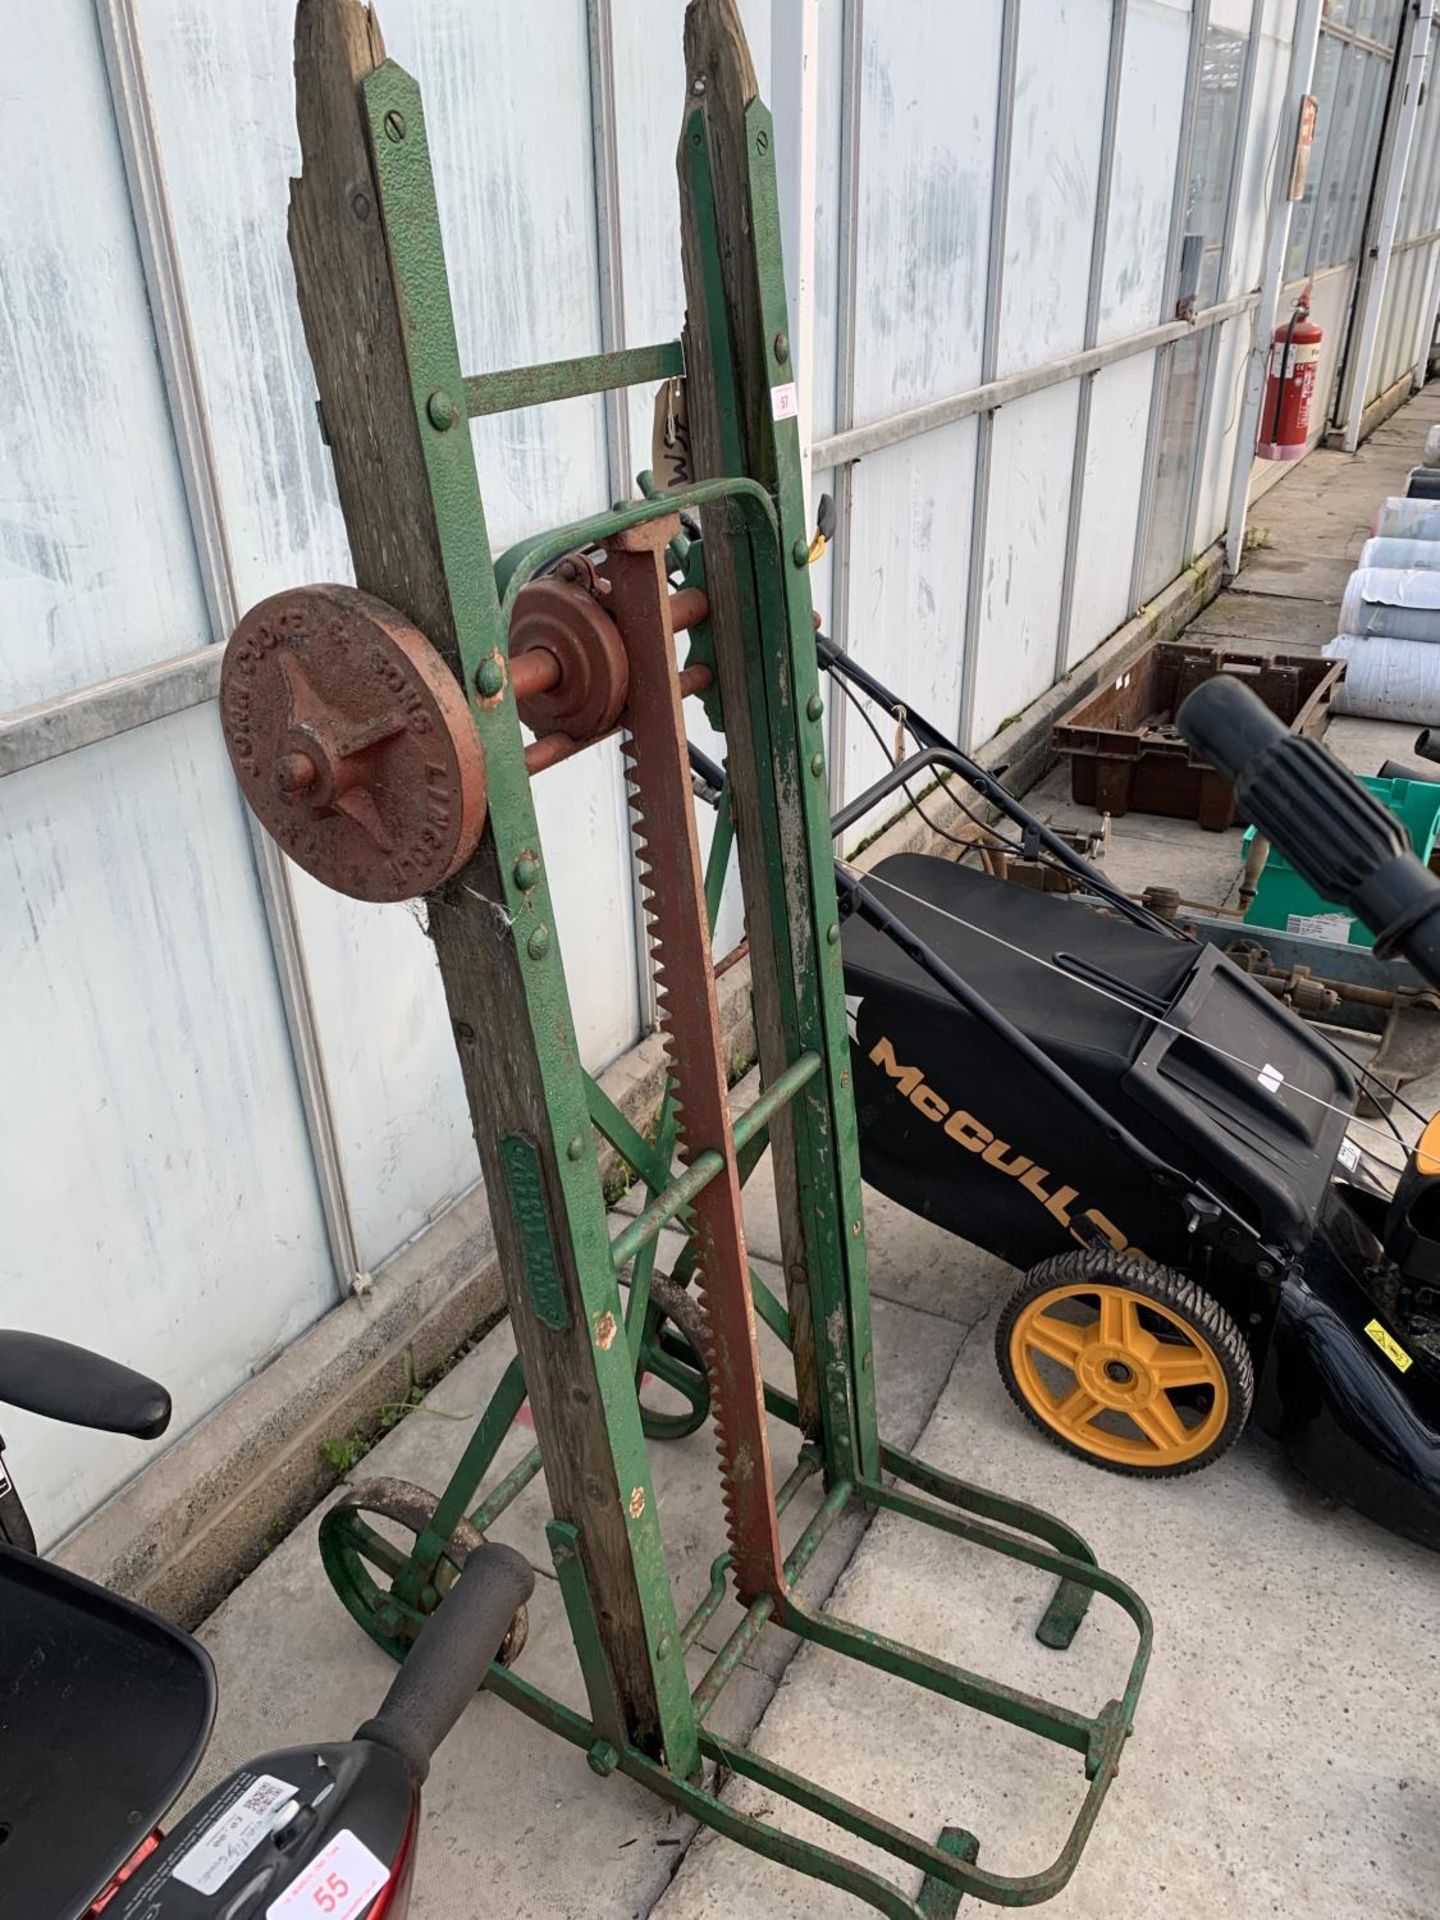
x,y
448,1663
1335,833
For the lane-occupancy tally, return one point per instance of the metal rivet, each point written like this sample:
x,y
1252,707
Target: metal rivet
x,y
576,1148
762,141
538,945
527,871
442,410
489,677
800,553
817,764
814,707
395,125
664,1646
832,934
781,344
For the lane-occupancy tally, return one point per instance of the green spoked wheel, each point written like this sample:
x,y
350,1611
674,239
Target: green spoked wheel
x,y
363,1558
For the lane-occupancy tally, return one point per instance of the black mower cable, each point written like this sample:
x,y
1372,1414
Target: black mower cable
x,y
955,839
858,880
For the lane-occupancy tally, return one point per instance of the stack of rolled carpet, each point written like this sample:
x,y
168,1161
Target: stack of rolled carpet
x,y
1390,615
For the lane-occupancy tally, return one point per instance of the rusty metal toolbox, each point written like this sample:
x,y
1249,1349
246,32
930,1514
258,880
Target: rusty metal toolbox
x,y
1124,749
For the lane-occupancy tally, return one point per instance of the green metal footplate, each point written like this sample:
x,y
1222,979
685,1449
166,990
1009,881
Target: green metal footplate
x,y
572,1268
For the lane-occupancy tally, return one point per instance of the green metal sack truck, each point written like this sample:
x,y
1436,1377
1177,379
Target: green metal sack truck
x,y
377,733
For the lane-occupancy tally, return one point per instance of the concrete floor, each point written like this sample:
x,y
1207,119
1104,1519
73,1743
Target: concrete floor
x,y
1285,1756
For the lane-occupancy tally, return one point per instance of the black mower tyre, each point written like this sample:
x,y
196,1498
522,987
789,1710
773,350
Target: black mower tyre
x,y
1161,1365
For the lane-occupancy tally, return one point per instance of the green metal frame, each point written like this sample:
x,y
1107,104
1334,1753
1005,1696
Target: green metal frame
x,y
856,1470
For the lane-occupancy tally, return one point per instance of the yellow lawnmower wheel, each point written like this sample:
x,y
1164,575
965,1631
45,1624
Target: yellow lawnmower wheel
x,y
1129,1365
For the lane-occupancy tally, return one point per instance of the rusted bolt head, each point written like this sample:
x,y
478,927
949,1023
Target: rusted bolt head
x,y
294,772
395,125
637,1502
605,1330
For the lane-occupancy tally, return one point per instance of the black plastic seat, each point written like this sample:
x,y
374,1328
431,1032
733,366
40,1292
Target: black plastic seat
x,y
104,1712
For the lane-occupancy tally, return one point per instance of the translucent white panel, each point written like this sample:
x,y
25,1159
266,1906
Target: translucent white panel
x,y
1212,491
1261,156
1110,505
1147,133
650,76
510,136
927,150
911,559
1031,459
97,567
1060,69
156,1181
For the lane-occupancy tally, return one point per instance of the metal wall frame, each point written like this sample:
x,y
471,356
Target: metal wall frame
x,y
989,351
852,48
1227,251
1303,46
1406,93
619,464
1199,26
1104,184
123,702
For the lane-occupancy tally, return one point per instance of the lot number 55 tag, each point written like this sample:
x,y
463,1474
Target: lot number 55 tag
x,y
338,1884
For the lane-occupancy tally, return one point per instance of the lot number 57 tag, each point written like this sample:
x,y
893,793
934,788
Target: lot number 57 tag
x,y
338,1884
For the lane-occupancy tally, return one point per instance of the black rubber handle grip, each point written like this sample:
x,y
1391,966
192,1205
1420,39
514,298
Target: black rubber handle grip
x,y
84,1389
447,1665
1334,832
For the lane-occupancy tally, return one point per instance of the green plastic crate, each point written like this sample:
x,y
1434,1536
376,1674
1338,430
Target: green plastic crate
x,y
1290,905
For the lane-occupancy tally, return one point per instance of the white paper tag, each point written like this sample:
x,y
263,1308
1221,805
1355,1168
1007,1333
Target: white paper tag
x,y
1349,1155
1334,927
1271,1078
338,1884
784,401
233,1835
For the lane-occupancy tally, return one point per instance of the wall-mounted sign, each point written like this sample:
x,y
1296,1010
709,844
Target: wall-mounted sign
x,y
1304,141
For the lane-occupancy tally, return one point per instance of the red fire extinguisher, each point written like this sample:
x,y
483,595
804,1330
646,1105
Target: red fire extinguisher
x,y
1294,361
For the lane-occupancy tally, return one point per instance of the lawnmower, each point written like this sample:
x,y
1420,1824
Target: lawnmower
x,y
1206,1232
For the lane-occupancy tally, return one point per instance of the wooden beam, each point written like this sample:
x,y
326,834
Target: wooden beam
x,y
718,69
348,302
